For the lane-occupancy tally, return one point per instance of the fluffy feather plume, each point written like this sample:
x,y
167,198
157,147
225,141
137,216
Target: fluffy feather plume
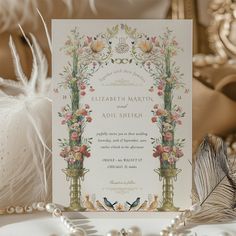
x,y
25,141
16,12
214,183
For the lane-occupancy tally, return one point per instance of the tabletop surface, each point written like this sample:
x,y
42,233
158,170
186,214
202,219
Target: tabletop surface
x,y
42,224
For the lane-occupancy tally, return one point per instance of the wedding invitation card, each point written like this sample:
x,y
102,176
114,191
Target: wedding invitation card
x,y
122,115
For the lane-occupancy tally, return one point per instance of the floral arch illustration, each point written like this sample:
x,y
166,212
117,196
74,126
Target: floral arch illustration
x,y
88,54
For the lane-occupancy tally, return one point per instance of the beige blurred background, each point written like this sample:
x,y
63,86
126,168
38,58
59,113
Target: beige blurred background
x,y
214,74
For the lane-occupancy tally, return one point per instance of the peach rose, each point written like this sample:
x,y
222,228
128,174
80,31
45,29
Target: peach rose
x,y
168,136
74,136
145,46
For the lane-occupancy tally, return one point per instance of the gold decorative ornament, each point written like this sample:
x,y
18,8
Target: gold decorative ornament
x,y
223,17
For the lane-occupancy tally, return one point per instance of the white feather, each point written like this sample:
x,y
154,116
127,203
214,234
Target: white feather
x,y
24,164
11,87
46,30
215,187
17,65
25,140
34,73
42,65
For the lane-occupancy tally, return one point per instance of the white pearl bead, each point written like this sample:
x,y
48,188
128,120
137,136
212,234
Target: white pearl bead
x,y
66,221
62,218
79,232
35,205
41,206
28,209
174,221
69,225
50,207
113,233
164,232
134,231
11,210
57,212
19,210
172,234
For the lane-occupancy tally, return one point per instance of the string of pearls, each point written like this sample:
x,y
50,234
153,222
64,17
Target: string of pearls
x,y
37,206
74,230
179,221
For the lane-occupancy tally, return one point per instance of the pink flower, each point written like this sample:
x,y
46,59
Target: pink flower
x,y
154,119
179,153
160,93
82,86
160,87
87,154
74,136
63,122
82,93
83,149
166,149
63,153
171,160
160,112
159,150
71,161
156,154
82,112
76,148
68,116
89,118
168,136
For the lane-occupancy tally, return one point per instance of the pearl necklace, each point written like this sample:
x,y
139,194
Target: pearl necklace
x,y
74,230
